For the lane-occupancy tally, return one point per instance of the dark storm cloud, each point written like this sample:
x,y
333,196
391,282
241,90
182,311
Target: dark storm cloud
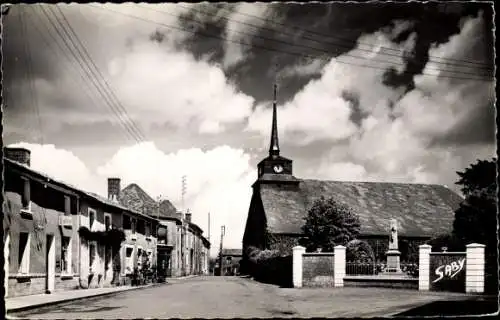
x,y
22,43
357,114
434,24
479,128
320,29
99,132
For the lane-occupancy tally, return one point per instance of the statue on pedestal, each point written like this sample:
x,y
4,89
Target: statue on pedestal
x,y
393,253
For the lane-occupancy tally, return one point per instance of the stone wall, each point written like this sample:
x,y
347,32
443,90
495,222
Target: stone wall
x,y
318,270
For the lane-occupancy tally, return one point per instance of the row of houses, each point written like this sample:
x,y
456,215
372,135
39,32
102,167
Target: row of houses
x,y
60,237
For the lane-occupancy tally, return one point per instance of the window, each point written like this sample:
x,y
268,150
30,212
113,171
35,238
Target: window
x,y
139,258
134,224
67,205
107,221
127,223
148,229
228,259
24,252
91,218
141,226
66,255
26,196
128,259
107,257
92,253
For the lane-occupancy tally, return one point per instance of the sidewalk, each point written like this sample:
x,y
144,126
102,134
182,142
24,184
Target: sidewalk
x,y
16,304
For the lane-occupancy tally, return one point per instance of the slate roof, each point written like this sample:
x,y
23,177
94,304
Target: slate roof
x,y
231,252
136,198
422,210
50,180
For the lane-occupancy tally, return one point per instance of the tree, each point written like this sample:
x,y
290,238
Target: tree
x,y
476,218
481,176
329,223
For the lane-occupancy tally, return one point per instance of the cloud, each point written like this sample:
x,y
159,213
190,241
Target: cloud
x,y
243,15
218,180
386,133
175,88
187,92
61,165
331,118
304,69
396,144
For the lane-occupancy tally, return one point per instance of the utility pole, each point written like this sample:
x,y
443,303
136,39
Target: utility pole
x,y
208,227
158,207
223,231
184,189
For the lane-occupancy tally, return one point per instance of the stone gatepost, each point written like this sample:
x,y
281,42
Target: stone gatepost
x,y
474,268
424,252
339,266
298,251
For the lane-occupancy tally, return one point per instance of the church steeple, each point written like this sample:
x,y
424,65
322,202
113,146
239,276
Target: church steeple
x,y
275,168
274,148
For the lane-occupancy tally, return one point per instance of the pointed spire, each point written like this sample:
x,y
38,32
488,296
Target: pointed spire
x,y
274,149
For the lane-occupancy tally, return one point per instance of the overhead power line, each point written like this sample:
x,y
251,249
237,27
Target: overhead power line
x,y
87,86
253,35
32,94
346,40
273,49
89,72
120,106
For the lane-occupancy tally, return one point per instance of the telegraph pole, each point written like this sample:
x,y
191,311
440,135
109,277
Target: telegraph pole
x,y
208,227
184,189
223,231
158,207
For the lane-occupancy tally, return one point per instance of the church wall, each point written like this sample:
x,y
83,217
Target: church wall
x,y
256,224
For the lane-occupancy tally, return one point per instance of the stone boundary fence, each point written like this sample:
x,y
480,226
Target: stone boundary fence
x,y
452,271
438,271
319,269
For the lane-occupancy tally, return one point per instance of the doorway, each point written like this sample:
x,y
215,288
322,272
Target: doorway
x,y
50,258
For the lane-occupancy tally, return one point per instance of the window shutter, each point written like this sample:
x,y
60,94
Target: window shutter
x,y
26,193
67,205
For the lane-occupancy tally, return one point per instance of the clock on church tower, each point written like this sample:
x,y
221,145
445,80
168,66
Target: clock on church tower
x,y
275,167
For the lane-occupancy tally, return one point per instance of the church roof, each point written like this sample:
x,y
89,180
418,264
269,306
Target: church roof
x,y
422,210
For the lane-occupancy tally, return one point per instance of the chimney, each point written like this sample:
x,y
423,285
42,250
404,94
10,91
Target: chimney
x,y
20,155
188,216
113,189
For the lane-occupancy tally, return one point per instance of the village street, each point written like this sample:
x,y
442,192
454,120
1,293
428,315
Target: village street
x,y
229,297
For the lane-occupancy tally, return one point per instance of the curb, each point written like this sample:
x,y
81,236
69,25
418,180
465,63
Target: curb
x,y
52,303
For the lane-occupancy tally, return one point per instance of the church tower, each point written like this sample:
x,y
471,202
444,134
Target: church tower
x,y
275,168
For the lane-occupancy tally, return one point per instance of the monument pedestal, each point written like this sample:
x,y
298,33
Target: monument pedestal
x,y
393,265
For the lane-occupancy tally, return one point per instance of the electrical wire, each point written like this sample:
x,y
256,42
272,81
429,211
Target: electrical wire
x,y
29,74
86,85
120,105
272,49
91,74
253,35
346,40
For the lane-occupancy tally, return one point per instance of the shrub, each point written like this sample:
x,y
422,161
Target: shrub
x,y
359,251
451,242
269,266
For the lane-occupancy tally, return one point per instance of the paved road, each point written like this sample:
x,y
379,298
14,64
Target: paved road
x,y
230,297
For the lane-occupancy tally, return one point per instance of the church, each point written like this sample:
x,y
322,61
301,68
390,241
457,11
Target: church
x,y
280,203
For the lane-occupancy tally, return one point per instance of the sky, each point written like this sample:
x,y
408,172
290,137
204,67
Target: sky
x,y
150,93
